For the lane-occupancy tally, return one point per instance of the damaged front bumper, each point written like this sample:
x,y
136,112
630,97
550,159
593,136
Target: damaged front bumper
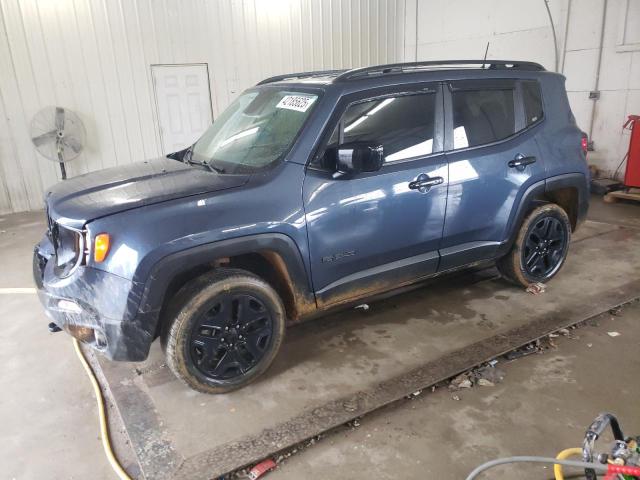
x,y
96,307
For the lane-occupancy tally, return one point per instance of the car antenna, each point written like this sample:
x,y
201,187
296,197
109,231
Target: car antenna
x,y
486,50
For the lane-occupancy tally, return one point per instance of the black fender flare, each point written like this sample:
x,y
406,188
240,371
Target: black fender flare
x,y
581,183
535,194
530,198
152,293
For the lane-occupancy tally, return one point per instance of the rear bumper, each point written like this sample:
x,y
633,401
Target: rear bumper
x,y
93,306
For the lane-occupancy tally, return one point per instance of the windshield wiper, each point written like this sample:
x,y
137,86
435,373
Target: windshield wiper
x,y
206,164
214,168
187,159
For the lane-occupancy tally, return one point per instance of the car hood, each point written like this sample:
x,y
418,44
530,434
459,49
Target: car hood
x,y
78,200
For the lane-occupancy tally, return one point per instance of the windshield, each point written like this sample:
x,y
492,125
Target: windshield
x,y
256,130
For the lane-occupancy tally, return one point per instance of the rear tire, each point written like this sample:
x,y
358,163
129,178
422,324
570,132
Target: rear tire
x,y
226,329
541,247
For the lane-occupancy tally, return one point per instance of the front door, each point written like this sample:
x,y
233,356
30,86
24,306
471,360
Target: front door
x,y
493,158
374,231
183,102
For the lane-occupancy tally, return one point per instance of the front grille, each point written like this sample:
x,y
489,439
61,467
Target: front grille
x,y
50,224
52,231
68,247
49,219
39,264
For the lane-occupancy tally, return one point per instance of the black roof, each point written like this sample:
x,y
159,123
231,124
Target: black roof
x,y
340,76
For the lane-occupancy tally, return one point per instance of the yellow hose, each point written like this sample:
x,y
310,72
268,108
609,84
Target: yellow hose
x,y
564,454
104,429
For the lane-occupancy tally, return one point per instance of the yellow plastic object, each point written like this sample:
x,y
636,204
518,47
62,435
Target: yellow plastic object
x,y
564,454
104,429
101,247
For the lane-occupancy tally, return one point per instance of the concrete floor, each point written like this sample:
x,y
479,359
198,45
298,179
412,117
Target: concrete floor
x,y
624,212
544,405
47,409
50,426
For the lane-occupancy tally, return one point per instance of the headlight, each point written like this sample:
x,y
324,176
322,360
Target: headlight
x,y
69,246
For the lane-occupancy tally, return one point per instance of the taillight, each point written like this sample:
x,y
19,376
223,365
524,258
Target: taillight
x,y
101,247
584,143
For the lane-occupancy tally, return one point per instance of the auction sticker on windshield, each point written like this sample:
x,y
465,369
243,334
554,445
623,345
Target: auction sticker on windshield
x,y
299,103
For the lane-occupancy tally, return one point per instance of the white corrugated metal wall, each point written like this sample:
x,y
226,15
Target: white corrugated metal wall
x,y
94,57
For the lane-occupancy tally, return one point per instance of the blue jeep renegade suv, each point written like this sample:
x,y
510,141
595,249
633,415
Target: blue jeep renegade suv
x,y
313,191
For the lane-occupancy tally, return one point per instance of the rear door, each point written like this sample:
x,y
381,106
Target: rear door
x,y
493,158
374,231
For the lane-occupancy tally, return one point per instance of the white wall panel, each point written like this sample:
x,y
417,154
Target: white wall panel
x,y
584,24
462,28
634,75
617,84
583,65
520,29
94,57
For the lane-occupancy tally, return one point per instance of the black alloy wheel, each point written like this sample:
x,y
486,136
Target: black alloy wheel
x,y
231,338
544,247
223,330
540,248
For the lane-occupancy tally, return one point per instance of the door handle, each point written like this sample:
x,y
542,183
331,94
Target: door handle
x,y
424,183
520,162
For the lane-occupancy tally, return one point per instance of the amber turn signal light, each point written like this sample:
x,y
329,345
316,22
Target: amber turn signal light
x,y
101,247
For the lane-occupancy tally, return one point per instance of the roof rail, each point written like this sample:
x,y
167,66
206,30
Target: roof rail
x,y
403,67
288,76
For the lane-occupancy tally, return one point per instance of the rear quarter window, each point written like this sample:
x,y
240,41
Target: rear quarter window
x,y
532,99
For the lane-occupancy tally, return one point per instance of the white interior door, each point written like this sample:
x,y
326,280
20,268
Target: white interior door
x,y
183,100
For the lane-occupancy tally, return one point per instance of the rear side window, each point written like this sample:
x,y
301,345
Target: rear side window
x,y
403,125
482,116
532,100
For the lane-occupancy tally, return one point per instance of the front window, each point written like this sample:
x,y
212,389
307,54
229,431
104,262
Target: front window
x,y
256,130
403,125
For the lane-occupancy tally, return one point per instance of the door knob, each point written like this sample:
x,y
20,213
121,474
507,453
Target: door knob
x,y
424,183
520,162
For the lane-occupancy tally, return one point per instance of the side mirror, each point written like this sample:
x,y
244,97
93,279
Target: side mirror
x,y
353,158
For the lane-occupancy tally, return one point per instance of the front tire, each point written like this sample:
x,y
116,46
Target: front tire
x,y
541,247
226,329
